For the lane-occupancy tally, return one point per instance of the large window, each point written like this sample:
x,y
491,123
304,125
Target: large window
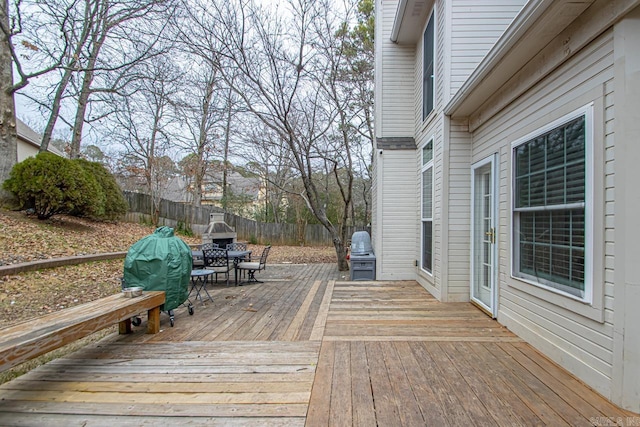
x,y
427,207
428,69
550,206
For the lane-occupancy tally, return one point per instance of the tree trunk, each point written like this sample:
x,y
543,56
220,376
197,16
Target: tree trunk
x,y
55,111
341,254
8,134
78,125
227,131
97,40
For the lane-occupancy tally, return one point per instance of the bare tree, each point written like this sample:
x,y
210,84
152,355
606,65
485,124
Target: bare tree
x,y
272,164
278,73
145,121
200,117
100,43
122,20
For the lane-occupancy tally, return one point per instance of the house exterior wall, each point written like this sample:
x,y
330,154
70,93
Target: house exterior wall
x,y
394,87
577,335
26,150
593,63
397,206
623,231
394,186
464,34
426,130
465,31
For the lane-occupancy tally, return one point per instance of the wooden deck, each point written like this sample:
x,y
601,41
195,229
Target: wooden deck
x,y
306,348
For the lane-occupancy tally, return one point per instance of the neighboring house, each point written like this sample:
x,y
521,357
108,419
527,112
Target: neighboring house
x,y
29,142
177,190
246,190
506,168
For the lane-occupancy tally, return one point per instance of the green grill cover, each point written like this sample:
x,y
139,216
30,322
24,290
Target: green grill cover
x,y
160,262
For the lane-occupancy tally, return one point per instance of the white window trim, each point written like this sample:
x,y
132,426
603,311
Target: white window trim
x,y
435,55
587,112
425,167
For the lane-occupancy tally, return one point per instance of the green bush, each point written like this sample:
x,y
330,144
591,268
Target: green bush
x,y
114,204
50,185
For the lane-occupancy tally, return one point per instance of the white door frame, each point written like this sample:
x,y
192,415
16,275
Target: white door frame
x,y
489,304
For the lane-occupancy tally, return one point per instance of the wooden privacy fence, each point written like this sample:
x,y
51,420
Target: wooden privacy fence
x,y
196,218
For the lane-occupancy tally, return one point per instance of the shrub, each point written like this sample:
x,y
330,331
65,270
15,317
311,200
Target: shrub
x,y
114,204
52,185
184,229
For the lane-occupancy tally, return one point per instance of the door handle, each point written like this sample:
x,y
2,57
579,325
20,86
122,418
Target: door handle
x,y
491,234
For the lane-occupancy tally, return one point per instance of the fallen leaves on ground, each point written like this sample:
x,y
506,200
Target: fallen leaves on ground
x,y
30,294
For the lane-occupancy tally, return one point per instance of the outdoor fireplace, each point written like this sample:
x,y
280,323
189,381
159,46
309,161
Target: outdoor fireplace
x,y
218,231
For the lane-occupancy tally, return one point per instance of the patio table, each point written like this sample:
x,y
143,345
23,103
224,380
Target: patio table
x,y
235,256
199,280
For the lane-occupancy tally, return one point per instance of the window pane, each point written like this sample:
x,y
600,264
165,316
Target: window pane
x,y
555,187
561,228
426,245
427,153
427,193
561,267
526,258
428,69
536,192
522,195
537,154
577,228
542,227
555,148
522,160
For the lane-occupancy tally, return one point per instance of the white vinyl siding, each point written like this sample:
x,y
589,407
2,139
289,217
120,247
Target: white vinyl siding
x,y
394,86
579,336
476,26
609,200
394,216
459,217
399,222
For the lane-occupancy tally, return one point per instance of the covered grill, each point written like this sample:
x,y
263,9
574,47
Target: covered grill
x,y
218,231
160,262
363,260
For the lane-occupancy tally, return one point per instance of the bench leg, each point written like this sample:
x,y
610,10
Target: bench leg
x,y
124,327
153,320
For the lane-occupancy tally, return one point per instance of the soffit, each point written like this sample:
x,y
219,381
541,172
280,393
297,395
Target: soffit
x,y
411,16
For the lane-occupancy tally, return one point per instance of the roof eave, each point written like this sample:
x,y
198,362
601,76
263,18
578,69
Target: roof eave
x,y
518,45
411,15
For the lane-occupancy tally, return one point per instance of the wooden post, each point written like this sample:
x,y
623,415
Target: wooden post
x,y
124,327
153,320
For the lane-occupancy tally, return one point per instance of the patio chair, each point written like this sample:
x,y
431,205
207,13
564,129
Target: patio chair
x,y
217,260
236,246
252,266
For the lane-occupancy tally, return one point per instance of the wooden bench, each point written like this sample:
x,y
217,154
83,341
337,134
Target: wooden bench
x,y
31,338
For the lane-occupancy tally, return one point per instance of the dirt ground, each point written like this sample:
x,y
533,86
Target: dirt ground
x,y
30,294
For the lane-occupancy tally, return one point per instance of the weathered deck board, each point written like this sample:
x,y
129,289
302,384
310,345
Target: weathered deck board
x,y
306,349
